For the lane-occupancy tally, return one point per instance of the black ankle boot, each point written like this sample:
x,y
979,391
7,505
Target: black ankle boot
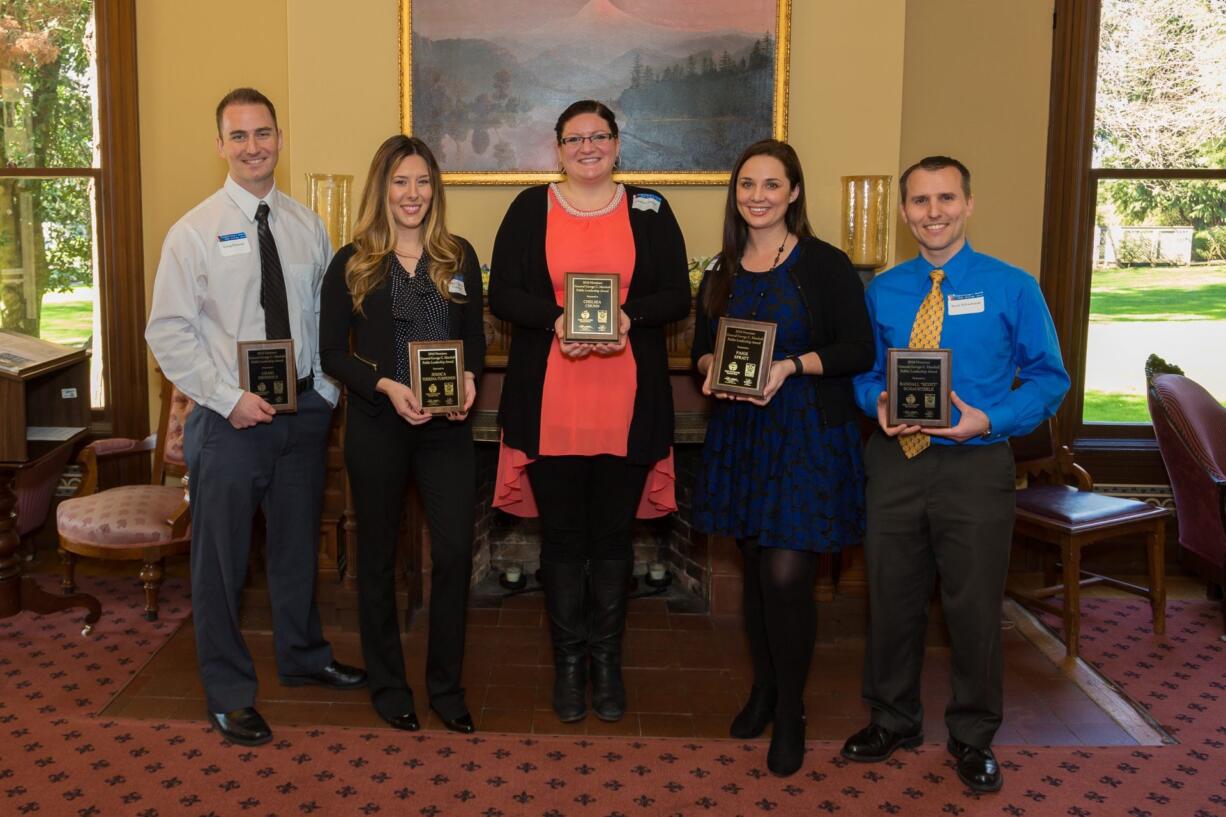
x,y
757,713
610,580
787,751
565,585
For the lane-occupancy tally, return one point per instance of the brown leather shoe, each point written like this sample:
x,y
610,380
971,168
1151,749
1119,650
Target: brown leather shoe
x,y
243,726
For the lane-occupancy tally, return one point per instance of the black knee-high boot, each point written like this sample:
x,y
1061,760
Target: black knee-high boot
x,y
565,588
610,580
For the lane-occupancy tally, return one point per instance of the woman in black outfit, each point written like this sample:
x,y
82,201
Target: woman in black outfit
x,y
406,278
587,423
782,473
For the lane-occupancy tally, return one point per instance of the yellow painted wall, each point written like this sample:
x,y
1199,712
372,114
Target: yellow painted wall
x,y
838,126
188,56
873,85
976,87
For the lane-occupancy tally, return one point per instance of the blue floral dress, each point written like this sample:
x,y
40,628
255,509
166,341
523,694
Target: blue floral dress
x,y
775,472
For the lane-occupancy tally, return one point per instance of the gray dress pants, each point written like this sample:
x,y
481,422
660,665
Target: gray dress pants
x,y
279,467
947,513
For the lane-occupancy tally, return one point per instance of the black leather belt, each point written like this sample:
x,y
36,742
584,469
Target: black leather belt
x,y
306,384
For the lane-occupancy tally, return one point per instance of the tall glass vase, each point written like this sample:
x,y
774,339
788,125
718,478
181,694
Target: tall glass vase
x,y
328,195
866,220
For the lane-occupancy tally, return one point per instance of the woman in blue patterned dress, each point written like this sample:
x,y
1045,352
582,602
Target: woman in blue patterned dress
x,y
782,474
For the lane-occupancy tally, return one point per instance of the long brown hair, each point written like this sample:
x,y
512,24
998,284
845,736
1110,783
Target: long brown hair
x,y
736,231
374,235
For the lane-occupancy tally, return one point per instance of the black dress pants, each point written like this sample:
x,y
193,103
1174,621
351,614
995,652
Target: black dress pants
x,y
947,512
382,452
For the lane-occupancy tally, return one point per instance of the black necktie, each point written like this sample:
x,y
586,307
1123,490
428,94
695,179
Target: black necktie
x,y
272,282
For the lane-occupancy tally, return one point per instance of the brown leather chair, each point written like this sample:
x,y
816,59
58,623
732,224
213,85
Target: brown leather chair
x,y
135,522
1191,429
1058,506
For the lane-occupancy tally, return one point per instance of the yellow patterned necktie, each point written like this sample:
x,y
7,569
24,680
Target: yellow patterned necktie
x,y
926,334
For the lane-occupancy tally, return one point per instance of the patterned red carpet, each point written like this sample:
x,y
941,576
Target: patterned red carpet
x,y
58,758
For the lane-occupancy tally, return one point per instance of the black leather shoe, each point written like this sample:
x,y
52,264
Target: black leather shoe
x,y
875,743
463,724
408,721
756,715
335,675
244,726
977,767
787,751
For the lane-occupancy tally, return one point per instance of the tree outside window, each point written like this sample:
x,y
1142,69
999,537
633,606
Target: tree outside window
x,y
1159,250
49,174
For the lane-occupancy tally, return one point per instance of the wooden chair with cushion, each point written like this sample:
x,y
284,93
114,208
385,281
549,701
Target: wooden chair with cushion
x,y
1058,506
1190,425
133,522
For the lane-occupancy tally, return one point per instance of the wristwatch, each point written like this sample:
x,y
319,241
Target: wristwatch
x,y
800,367
988,433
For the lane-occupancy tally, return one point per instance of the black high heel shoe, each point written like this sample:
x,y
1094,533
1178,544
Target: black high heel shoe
x,y
787,751
406,721
463,724
756,715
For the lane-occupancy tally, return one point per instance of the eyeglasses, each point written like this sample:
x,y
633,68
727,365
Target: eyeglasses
x,y
597,139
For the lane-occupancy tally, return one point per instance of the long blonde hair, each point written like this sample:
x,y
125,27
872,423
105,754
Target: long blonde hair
x,y
374,235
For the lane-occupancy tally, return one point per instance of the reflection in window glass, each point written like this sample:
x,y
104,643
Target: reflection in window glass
x,y
1161,85
47,262
1158,287
47,84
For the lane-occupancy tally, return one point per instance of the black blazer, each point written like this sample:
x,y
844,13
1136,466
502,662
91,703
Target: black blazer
x,y
521,292
841,333
374,352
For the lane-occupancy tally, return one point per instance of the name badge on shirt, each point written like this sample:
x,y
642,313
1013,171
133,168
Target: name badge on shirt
x,y
233,244
645,201
456,287
966,304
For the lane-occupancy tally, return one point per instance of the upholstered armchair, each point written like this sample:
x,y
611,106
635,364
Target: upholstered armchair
x,y
1190,425
144,523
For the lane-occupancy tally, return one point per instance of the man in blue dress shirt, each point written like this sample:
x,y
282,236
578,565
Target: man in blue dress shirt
x,y
940,501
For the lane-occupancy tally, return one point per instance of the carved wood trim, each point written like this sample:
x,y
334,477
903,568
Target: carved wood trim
x,y
120,241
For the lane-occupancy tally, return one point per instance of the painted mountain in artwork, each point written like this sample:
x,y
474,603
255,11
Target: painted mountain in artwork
x,y
687,95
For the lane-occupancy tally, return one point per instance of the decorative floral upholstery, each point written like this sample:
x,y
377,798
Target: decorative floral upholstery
x,y
120,517
180,406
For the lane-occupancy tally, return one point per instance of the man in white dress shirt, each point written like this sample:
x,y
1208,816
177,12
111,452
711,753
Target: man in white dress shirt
x,y
247,264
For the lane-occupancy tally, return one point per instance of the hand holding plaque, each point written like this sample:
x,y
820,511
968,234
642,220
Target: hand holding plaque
x,y
591,307
741,361
266,369
917,387
436,369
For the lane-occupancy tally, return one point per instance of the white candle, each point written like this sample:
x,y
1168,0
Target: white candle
x,y
514,572
656,571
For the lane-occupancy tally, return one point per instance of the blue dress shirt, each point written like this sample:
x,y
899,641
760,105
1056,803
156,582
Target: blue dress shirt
x,y
998,328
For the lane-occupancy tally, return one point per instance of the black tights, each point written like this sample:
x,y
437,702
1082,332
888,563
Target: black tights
x,y
780,619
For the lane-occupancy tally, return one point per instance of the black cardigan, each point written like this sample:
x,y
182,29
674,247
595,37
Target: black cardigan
x,y
841,333
374,351
521,292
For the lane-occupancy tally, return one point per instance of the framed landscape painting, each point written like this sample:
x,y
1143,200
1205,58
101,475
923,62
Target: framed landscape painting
x,y
692,82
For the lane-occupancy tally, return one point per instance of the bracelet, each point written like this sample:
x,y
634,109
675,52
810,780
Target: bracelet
x,y
800,367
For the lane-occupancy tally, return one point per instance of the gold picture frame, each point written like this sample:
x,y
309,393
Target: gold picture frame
x,y
778,124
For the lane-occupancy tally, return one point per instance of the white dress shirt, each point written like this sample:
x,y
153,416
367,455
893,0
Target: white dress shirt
x,y
206,297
